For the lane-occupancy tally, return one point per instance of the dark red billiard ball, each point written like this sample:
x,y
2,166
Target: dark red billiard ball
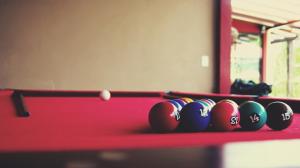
x,y
231,101
280,115
225,116
164,117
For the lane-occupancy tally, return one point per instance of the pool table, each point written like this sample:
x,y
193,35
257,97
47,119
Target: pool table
x,y
40,128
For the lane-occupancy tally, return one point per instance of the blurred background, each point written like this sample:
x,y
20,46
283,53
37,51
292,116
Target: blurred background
x,y
113,44
183,45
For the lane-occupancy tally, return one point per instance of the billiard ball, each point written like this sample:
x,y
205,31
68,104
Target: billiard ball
x,y
179,108
225,116
231,101
180,101
205,103
187,100
253,115
208,107
280,115
163,117
209,102
175,103
195,117
105,95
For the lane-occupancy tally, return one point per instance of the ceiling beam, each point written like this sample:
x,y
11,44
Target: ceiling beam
x,y
255,20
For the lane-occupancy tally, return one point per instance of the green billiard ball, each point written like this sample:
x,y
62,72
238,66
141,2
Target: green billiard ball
x,y
253,115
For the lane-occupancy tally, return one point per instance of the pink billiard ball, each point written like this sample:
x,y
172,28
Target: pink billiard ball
x,y
164,117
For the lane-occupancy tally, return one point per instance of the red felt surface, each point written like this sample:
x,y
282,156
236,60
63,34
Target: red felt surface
x,y
73,123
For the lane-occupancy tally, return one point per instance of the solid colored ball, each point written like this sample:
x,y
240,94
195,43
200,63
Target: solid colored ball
x,y
280,115
231,101
195,117
179,108
207,109
105,95
253,115
164,117
225,116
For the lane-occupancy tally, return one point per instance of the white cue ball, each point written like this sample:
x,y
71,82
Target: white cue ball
x,y
105,95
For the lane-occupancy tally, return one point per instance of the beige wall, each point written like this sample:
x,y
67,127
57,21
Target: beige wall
x,y
114,44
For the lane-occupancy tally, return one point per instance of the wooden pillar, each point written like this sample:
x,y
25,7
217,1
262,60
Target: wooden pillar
x,y
263,64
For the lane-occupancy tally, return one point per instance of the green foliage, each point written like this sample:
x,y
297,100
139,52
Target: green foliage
x,y
278,70
295,76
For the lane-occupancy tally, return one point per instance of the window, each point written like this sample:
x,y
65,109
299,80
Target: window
x,y
246,53
283,65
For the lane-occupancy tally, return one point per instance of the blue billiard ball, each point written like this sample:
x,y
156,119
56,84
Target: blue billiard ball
x,y
195,117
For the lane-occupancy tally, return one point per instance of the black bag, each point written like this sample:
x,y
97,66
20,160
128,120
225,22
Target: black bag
x,y
243,87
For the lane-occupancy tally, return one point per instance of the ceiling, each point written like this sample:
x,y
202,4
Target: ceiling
x,y
281,17
269,13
